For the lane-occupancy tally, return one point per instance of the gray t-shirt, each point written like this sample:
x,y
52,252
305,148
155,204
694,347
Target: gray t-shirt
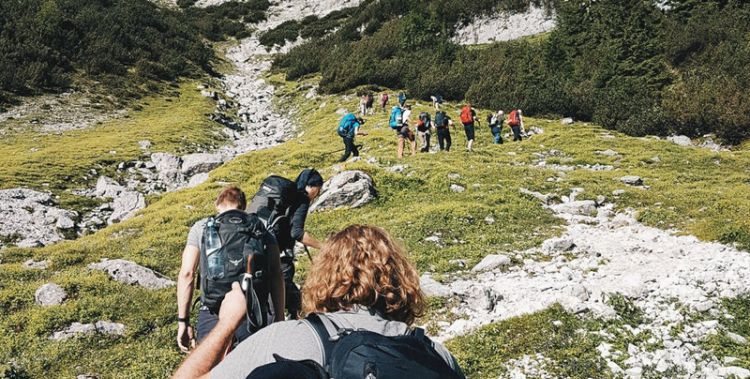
x,y
296,340
195,236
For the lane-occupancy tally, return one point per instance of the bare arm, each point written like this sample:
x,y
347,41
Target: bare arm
x,y
190,258
277,283
309,240
211,350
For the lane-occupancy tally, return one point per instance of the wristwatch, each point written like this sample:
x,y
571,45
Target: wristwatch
x,y
184,319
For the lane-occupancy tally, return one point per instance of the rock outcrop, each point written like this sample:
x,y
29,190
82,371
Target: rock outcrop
x,y
30,218
351,189
505,26
125,202
50,294
77,329
130,273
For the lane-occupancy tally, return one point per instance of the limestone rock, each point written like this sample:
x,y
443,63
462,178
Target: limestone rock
x,y
608,153
505,26
432,287
168,167
556,245
457,188
197,180
577,208
144,145
50,294
29,218
492,262
680,140
35,265
77,329
632,180
126,205
567,121
736,338
127,272
346,189
198,163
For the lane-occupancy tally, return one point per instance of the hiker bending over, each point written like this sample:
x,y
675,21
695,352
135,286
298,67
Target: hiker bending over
x,y
442,126
360,282
348,129
468,117
282,205
495,122
384,101
436,101
515,121
223,245
424,128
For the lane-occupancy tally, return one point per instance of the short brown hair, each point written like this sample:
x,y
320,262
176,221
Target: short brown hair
x,y
362,265
232,195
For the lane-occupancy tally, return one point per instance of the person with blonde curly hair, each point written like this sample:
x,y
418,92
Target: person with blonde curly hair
x,y
360,280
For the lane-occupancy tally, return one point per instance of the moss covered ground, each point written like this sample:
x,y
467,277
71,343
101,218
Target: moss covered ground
x,y
692,190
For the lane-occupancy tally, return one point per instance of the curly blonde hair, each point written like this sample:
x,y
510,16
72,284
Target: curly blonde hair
x,y
362,265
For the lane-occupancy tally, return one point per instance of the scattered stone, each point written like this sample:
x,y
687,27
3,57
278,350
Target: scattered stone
x,y
144,145
432,287
608,153
454,176
35,265
632,180
492,262
168,167
457,188
30,218
197,180
680,140
567,121
346,189
125,205
397,168
199,163
733,371
545,199
457,262
77,329
736,338
618,192
577,208
489,220
50,294
556,245
127,272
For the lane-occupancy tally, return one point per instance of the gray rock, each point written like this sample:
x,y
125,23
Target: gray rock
x,y
680,140
733,371
77,329
491,262
65,223
567,121
618,192
168,168
736,338
107,187
432,287
578,208
557,245
125,205
127,272
50,294
457,262
197,180
454,176
457,188
198,163
489,220
341,111
346,189
35,265
396,168
632,180
608,153
30,218
545,199
144,145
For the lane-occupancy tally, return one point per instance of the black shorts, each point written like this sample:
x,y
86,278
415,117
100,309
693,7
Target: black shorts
x,y
405,132
469,129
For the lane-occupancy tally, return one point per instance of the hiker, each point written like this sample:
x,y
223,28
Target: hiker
x,y
222,245
360,282
363,105
436,101
368,103
348,129
468,116
384,101
401,99
282,205
424,126
406,134
495,122
442,124
515,121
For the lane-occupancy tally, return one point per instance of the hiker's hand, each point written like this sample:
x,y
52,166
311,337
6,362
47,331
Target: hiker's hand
x,y
184,336
233,307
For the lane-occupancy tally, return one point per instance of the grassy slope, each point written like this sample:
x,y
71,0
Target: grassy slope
x,y
59,162
412,205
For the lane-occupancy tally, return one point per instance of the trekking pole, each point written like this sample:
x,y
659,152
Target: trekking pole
x,y
308,253
340,150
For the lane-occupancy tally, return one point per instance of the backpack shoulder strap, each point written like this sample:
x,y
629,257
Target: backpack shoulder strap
x,y
326,331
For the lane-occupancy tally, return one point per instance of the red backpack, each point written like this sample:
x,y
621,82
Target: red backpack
x,y
466,117
513,119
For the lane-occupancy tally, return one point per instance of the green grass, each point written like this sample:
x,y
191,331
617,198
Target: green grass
x,y
173,123
696,195
734,320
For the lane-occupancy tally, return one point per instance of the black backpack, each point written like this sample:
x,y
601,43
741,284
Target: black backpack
x,y
440,120
273,201
241,241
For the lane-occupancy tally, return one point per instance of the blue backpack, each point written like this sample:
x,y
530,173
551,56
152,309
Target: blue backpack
x,y
347,123
397,118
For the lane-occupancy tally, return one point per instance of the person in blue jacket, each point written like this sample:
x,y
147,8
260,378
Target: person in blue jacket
x,y
348,129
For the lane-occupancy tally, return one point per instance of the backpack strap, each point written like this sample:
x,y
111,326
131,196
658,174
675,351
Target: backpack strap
x,y
326,331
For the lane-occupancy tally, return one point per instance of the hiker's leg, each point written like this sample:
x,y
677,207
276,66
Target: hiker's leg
x,y
347,149
441,140
355,150
293,299
413,145
448,140
400,149
427,138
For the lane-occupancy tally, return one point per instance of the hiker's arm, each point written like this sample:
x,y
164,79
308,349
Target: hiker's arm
x,y
211,350
277,283
190,257
309,240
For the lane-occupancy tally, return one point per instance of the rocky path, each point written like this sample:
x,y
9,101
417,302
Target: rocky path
x,y
603,253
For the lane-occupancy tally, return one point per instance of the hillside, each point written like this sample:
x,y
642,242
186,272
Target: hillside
x,y
580,252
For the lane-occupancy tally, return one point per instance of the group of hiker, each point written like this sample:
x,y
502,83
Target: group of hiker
x,y
360,296
401,122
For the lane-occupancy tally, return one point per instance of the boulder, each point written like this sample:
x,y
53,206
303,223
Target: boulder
x,y
632,180
556,245
107,187
198,163
736,338
168,167
734,372
346,189
197,180
50,294
680,140
144,145
567,121
432,287
457,188
577,208
125,205
77,329
130,273
492,262
29,218
35,265
608,153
